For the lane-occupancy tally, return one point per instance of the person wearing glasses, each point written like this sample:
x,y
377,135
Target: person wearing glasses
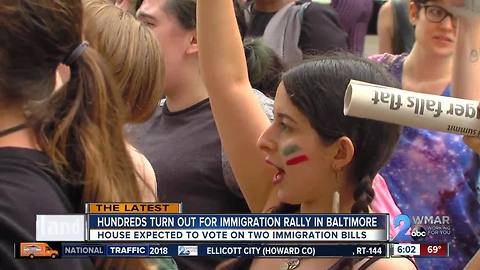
x,y
434,173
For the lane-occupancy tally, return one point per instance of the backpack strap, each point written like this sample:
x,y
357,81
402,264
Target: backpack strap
x,y
282,33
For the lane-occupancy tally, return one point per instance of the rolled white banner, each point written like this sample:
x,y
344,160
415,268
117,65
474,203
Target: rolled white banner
x,y
406,108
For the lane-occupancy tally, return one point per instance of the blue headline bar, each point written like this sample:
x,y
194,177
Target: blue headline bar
x,y
240,221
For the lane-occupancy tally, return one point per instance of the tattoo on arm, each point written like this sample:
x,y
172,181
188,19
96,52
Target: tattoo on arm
x,y
474,55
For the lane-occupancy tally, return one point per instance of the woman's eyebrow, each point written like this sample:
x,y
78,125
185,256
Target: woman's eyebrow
x,y
284,115
143,16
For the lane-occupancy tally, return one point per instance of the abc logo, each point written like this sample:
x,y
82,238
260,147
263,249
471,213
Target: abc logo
x,y
419,233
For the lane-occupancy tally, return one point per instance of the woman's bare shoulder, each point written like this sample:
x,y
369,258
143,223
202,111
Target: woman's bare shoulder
x,y
146,174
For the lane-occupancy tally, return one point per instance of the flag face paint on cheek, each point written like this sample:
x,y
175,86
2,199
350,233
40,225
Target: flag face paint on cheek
x,y
295,158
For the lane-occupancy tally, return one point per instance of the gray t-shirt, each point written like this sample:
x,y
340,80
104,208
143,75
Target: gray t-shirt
x,y
185,151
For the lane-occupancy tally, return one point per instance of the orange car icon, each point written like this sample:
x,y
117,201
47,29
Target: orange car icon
x,y
33,250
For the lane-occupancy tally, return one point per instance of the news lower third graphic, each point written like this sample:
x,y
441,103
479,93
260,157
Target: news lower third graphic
x,y
161,229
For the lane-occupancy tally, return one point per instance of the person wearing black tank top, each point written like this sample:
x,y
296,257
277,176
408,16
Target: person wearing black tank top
x,y
57,149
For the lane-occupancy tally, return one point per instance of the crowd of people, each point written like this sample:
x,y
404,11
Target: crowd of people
x,y
208,102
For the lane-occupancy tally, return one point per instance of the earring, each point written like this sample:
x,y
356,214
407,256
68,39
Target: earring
x,y
336,202
336,198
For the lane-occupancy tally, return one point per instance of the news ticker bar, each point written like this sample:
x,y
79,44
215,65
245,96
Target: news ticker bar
x,y
64,250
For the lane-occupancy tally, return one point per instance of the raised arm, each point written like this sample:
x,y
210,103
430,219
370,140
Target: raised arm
x,y
466,73
466,70
239,117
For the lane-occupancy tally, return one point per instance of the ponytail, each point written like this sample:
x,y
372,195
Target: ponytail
x,y
83,134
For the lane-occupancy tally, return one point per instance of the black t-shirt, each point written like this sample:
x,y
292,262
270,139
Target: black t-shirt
x,y
321,28
185,152
28,186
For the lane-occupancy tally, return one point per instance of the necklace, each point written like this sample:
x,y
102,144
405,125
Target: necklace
x,y
13,129
291,264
